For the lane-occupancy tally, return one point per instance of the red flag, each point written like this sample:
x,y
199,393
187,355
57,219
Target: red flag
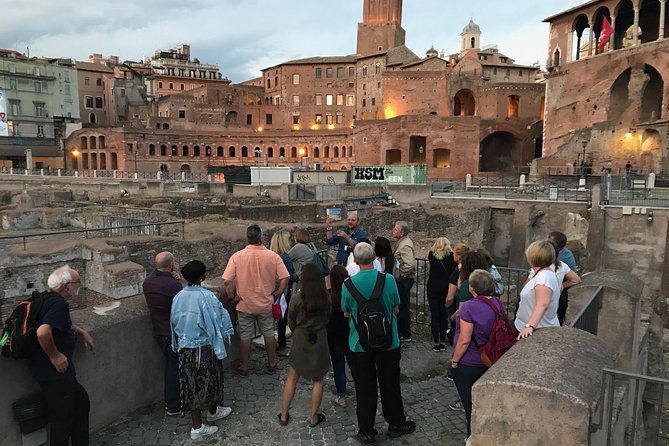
x,y
605,35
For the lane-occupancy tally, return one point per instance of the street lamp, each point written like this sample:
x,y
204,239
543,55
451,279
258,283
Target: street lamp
x,y
75,153
584,142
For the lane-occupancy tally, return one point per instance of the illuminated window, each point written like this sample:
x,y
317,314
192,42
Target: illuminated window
x,y
350,99
340,99
296,100
319,99
296,79
328,99
318,119
328,119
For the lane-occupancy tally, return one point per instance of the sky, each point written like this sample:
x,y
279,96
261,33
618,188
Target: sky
x,y
245,36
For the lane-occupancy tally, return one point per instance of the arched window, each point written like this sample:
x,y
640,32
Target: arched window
x,y
513,106
84,142
343,151
245,152
473,42
231,152
464,103
91,118
163,150
336,152
257,152
317,152
326,154
270,152
173,151
196,151
293,152
207,151
101,140
93,143
219,151
152,150
185,168
556,58
166,126
350,151
282,152
184,151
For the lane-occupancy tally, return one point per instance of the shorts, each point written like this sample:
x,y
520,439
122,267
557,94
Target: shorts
x,y
246,325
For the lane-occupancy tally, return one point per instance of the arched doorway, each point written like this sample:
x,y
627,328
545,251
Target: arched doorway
x,y
639,90
651,100
464,103
498,152
185,168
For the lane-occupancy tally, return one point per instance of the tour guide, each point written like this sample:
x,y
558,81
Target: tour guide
x,y
346,237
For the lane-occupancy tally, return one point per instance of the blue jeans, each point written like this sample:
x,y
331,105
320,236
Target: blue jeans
x,y
339,355
172,395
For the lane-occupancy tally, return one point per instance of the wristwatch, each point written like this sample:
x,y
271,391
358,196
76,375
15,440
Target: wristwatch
x,y
530,326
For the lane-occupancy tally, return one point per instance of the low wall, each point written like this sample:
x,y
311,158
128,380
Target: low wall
x,y
543,391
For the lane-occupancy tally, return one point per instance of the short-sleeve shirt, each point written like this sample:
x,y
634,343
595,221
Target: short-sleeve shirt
x,y
55,312
257,271
481,315
364,281
159,289
528,302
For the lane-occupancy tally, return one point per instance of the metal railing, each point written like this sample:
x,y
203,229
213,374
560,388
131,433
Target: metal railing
x,y
111,231
636,431
588,318
513,279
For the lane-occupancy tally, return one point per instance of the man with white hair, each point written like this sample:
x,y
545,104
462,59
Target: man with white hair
x,y
66,400
345,237
369,366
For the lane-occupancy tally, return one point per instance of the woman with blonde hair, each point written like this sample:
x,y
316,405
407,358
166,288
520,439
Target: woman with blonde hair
x,y
280,244
540,297
442,266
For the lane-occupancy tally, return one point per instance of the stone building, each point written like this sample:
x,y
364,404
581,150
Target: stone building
x,y
608,101
96,83
42,98
472,111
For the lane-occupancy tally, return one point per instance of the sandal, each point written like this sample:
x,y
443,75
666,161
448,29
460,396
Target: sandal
x,y
242,372
284,422
319,419
341,401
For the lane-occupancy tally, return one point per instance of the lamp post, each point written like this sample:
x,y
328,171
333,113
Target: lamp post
x,y
584,142
75,153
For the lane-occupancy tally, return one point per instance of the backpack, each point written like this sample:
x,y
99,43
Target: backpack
x,y
19,334
502,336
319,261
371,323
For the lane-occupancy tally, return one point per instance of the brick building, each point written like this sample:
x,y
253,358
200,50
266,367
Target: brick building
x,y
472,111
608,102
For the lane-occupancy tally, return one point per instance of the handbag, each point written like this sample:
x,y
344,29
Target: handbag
x,y
319,261
279,308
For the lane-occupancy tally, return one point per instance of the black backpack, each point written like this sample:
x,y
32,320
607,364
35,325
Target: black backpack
x,y
372,324
19,334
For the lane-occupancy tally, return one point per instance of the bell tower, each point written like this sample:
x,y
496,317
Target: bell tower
x,y
381,26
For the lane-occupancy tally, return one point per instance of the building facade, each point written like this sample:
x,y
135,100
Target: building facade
x,y
42,97
608,100
472,111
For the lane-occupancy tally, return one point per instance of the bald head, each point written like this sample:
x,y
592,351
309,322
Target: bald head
x,y
165,261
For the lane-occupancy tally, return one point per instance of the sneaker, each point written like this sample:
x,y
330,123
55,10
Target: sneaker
x,y
405,338
442,347
172,412
449,374
435,348
202,431
457,406
221,412
397,431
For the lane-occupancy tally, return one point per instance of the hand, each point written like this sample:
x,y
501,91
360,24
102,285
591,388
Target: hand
x,y
454,365
341,233
236,299
88,340
176,275
60,362
525,332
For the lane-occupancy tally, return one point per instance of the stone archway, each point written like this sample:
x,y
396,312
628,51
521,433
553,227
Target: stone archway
x,y
498,152
464,103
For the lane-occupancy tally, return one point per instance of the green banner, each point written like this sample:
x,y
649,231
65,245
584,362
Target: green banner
x,y
412,174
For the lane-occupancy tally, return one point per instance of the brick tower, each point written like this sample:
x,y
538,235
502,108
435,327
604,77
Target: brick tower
x,y
381,26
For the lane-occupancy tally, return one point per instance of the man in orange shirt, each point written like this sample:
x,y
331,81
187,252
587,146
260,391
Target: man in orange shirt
x,y
254,279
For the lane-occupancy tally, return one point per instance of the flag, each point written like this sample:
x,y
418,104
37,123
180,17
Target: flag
x,y
605,35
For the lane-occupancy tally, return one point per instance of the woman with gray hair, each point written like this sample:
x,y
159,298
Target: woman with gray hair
x,y
473,326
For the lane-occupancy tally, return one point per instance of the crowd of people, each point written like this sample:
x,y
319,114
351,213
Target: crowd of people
x,y
331,325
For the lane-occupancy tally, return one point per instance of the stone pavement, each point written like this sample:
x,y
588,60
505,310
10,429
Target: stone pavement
x,y
255,404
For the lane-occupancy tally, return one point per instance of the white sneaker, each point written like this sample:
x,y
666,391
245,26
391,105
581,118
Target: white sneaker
x,y
202,431
221,412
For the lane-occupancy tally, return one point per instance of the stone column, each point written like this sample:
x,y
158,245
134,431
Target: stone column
x,y
635,29
593,42
612,39
663,4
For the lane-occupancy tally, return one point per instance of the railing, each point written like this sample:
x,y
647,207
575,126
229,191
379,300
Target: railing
x,y
588,318
114,174
613,399
117,230
513,278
